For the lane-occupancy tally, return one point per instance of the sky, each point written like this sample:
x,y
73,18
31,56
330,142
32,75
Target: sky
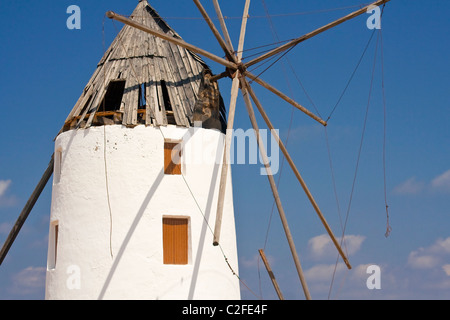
x,y
396,104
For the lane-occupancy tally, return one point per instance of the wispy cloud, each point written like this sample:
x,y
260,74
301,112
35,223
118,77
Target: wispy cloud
x,y
425,274
431,257
446,268
412,186
4,185
6,200
5,228
442,182
253,261
324,272
321,247
28,281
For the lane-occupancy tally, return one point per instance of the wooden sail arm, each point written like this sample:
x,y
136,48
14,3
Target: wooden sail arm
x,y
297,174
177,41
223,26
274,189
285,97
26,210
313,33
226,159
271,275
225,47
232,110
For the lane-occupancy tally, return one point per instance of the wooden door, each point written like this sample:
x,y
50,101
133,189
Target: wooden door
x,y
175,240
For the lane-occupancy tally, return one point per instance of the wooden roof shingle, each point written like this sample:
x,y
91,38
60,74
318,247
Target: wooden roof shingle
x,y
142,79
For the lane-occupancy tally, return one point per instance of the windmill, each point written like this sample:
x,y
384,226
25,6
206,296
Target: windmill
x,y
145,95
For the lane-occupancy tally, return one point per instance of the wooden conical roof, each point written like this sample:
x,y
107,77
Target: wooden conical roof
x,y
143,79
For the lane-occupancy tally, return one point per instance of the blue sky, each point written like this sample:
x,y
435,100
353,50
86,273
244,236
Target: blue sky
x,y
45,66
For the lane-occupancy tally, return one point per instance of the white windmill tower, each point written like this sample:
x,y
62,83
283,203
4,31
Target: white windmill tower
x,y
140,168
134,181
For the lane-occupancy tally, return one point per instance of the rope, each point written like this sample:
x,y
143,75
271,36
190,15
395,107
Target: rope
x,y
104,129
280,56
262,46
195,200
357,160
330,160
211,230
351,77
280,15
276,37
104,151
388,227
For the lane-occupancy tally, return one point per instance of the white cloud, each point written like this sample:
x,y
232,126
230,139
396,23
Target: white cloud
x,y
6,201
324,272
4,185
413,186
410,186
420,260
442,182
249,262
29,280
427,275
446,268
5,228
322,247
338,282
432,256
253,261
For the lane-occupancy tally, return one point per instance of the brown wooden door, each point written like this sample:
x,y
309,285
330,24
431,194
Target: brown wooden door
x,y
175,240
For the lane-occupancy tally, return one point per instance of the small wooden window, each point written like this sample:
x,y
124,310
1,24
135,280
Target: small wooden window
x,y
175,241
53,252
172,158
57,165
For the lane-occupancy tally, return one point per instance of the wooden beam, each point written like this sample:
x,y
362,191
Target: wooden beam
x,y
219,76
275,191
223,25
243,30
313,33
226,49
285,97
171,39
226,159
297,174
271,275
229,134
26,210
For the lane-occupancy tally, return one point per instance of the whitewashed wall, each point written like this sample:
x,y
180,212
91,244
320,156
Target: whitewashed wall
x,y
113,249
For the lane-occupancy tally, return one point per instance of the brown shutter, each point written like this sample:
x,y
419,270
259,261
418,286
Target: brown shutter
x,y
172,158
175,240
